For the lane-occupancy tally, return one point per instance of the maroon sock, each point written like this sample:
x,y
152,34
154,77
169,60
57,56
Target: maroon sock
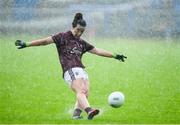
x,y
88,109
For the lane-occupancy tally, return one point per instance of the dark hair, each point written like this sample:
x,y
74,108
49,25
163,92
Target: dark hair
x,y
78,19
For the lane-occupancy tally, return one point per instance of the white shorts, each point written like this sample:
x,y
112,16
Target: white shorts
x,y
75,73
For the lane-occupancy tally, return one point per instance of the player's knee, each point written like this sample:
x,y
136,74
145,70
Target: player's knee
x,y
84,91
81,92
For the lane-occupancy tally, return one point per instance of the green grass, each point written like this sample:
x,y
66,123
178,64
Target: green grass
x,y
32,89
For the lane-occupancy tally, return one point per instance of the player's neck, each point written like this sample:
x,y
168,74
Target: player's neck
x,y
73,33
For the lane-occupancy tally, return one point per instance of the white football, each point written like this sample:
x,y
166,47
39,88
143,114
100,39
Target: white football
x,y
116,99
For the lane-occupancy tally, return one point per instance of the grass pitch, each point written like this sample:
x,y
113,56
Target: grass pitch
x,y
32,89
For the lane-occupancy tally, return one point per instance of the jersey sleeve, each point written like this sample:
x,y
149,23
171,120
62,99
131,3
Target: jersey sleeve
x,y
57,38
87,46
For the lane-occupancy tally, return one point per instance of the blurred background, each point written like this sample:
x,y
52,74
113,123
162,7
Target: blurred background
x,y
105,18
32,90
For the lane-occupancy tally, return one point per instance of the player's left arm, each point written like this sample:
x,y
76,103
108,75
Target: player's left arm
x,y
101,52
105,53
39,42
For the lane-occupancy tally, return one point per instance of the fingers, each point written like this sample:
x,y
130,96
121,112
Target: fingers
x,y
20,44
124,56
122,59
17,42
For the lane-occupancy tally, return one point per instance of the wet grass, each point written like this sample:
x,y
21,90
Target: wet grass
x,y
32,89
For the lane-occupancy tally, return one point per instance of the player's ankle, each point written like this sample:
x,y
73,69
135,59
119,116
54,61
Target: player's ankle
x,y
88,109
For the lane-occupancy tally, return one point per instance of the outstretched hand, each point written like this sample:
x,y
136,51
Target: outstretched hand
x,y
120,57
20,44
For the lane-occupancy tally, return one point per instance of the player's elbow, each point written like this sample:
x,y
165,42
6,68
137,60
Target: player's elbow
x,y
44,42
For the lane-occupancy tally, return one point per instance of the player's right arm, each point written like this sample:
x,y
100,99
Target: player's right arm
x,y
45,41
105,53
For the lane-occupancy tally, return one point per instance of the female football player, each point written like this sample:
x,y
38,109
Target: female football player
x,y
70,48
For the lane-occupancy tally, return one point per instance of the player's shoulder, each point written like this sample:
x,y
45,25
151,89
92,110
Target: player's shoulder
x,y
59,37
62,33
81,40
57,34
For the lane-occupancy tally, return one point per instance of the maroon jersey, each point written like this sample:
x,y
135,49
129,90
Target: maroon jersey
x,y
70,50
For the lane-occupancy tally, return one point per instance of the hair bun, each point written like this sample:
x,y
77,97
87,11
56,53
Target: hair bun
x,y
78,16
78,19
